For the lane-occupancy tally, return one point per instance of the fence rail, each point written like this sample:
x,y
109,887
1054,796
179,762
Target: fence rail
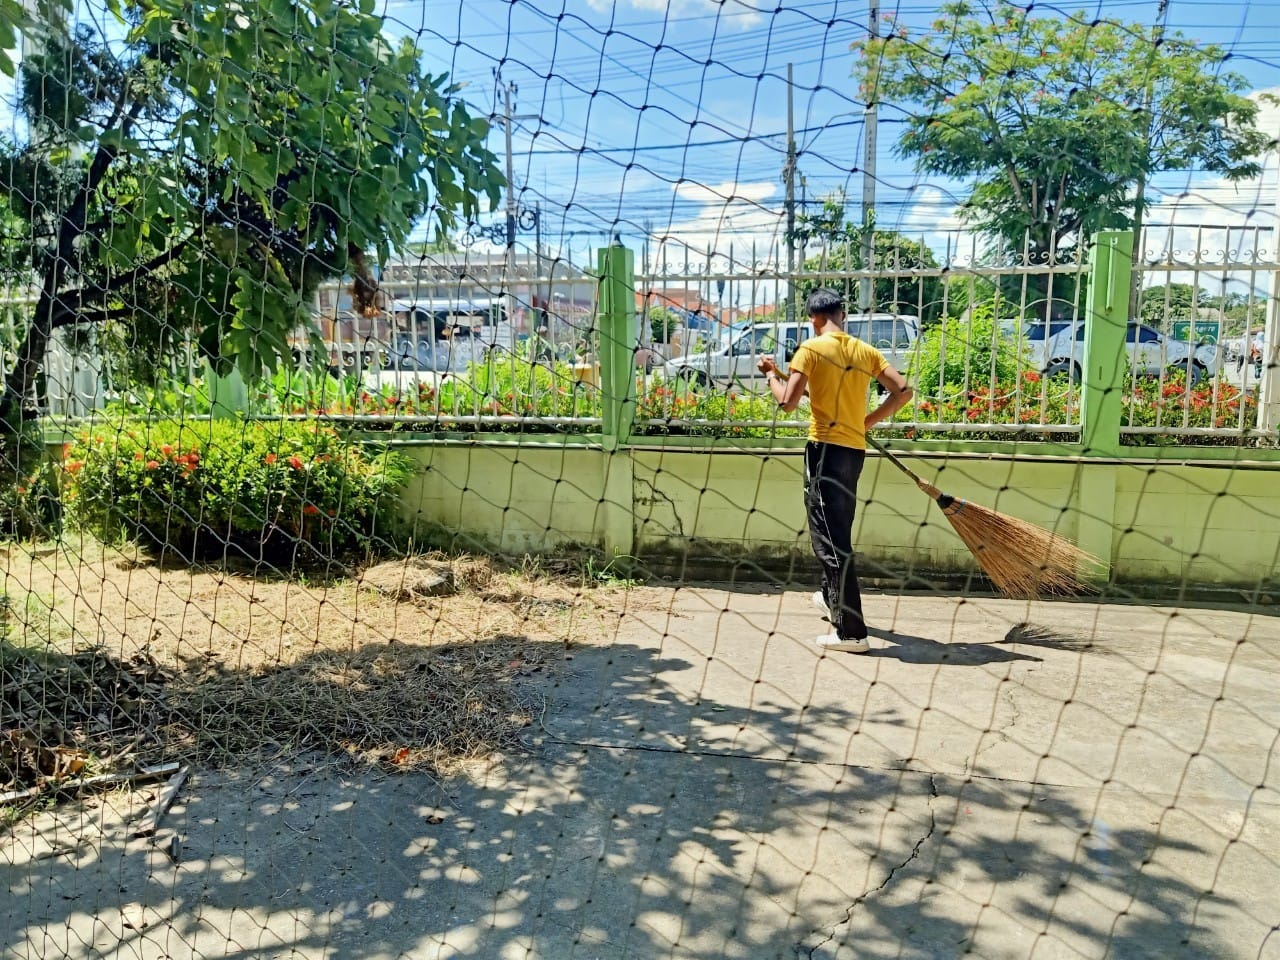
x,y
993,348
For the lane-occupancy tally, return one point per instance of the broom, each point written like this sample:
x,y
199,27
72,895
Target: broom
x,y
1021,559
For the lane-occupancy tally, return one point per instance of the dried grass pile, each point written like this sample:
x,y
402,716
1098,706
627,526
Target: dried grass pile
x,y
414,666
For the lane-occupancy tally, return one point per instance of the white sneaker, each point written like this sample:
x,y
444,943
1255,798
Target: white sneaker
x,y
820,602
832,641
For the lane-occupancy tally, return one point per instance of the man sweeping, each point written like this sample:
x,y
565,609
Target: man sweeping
x,y
836,370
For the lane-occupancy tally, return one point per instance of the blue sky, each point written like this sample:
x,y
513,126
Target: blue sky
x,y
668,116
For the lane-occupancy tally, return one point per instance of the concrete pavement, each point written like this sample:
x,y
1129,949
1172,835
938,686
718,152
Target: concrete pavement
x,y
995,779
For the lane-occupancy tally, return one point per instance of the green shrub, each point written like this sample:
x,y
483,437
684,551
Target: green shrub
x,y
503,386
163,398
284,493
956,356
667,407
29,504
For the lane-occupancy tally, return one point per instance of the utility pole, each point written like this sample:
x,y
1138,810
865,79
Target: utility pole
x,y
869,118
789,174
508,118
537,274
510,271
1139,251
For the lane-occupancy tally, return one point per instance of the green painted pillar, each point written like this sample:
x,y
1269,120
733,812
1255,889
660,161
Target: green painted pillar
x,y
1105,364
618,339
618,333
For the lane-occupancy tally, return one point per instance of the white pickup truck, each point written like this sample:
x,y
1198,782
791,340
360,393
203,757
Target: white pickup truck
x,y
734,359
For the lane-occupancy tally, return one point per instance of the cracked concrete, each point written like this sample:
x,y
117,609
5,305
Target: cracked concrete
x,y
703,785
999,735
812,951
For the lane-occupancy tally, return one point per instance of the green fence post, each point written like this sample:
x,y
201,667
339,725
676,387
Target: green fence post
x,y
1105,361
1104,368
617,320
618,338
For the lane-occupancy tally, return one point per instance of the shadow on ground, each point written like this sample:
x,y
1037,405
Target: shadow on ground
x,y
646,847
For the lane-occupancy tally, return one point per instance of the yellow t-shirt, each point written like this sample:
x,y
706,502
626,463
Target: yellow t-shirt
x,y
840,369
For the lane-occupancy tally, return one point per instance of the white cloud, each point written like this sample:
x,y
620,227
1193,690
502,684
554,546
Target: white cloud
x,y
934,218
736,13
726,193
733,220
1214,221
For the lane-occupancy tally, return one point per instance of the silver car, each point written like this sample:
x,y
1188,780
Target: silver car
x,y
1151,353
735,359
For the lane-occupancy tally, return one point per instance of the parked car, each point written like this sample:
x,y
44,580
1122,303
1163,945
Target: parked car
x,y
735,359
1033,337
1150,353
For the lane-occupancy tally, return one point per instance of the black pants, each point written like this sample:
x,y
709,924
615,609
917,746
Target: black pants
x,y
830,495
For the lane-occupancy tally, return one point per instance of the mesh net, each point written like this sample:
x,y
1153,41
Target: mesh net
x,y
410,552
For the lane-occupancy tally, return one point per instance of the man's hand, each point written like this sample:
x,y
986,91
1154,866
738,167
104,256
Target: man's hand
x,y
899,395
766,366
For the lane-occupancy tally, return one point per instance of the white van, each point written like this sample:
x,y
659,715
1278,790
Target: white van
x,y
734,360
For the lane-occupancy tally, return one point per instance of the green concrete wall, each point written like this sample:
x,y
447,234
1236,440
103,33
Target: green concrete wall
x,y
755,503
1210,523
1198,524
520,498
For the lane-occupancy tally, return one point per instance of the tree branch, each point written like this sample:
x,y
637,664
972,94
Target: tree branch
x,y
76,318
151,266
71,227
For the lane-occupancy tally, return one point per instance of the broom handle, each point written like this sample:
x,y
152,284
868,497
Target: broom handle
x,y
933,492
894,460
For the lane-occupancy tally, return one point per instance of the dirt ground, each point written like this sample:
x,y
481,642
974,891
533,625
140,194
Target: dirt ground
x,y
124,660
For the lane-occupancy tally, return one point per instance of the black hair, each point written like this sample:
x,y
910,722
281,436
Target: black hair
x,y
825,303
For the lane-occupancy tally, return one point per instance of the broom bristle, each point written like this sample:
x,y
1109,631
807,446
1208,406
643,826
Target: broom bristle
x,y
1023,561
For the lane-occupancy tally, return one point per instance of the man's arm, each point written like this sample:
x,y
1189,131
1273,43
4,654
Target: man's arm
x,y
899,394
788,390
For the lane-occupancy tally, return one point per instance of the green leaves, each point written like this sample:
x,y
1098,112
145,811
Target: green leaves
x,y
18,19
199,488
230,156
1056,120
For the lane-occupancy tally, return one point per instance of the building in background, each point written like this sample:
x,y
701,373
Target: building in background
x,y
429,297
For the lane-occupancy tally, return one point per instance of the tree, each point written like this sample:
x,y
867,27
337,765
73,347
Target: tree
x,y
1177,301
1057,122
895,256
662,324
200,177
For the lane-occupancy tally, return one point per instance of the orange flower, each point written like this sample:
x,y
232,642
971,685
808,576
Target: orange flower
x,y
152,464
269,459
310,509
295,462
73,466
138,455
166,449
